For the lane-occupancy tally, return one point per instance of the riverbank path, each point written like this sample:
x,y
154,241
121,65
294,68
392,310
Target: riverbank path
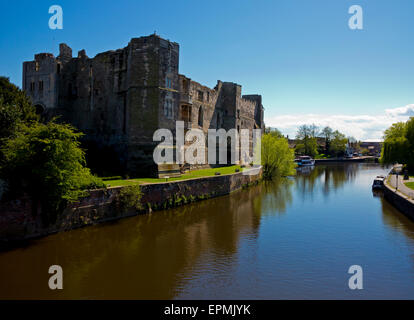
x,y
393,181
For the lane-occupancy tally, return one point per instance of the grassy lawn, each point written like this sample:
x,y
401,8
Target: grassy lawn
x,y
190,175
410,185
322,156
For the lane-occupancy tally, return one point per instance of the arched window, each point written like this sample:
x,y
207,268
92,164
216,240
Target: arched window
x,y
200,116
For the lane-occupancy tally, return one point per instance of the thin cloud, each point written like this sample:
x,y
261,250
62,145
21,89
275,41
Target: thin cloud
x,y
362,127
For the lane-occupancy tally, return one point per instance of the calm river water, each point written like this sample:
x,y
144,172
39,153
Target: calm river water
x,y
292,239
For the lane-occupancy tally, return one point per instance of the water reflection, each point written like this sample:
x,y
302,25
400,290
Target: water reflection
x,y
395,220
330,177
274,197
290,238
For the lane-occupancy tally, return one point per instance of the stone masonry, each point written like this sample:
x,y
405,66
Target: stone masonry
x,y
120,98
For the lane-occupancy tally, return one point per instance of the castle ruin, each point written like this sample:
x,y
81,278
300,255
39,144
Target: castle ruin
x,y
120,98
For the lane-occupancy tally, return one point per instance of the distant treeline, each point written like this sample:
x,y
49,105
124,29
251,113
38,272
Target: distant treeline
x,y
322,143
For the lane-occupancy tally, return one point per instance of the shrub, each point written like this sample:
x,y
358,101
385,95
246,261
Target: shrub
x,y
46,162
130,198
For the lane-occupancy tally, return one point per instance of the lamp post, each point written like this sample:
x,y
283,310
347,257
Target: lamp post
x,y
396,183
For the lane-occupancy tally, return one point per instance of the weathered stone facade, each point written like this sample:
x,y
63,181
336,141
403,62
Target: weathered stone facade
x,y
120,98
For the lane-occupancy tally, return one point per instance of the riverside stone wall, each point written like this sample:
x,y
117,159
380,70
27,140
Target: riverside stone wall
x,y
18,223
399,201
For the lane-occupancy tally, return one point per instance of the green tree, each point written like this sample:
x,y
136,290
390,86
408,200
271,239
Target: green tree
x,y
338,143
327,133
307,140
46,162
274,131
398,144
409,134
277,157
15,108
397,130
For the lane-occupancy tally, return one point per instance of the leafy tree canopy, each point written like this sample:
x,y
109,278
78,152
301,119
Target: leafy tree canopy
x,y
307,140
15,108
398,146
338,143
277,157
46,162
274,131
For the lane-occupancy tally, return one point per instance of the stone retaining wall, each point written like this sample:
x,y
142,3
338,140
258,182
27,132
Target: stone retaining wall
x,y
399,201
18,223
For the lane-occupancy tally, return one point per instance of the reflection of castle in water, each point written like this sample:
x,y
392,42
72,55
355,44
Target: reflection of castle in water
x,y
151,256
188,251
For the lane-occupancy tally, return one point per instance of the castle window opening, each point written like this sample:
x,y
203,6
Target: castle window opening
x,y
186,113
32,86
37,66
41,85
185,86
200,116
168,109
200,95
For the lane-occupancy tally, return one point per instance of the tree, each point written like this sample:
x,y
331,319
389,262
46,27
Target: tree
x,y
15,108
307,140
277,157
46,162
397,130
398,144
274,131
338,143
409,134
327,135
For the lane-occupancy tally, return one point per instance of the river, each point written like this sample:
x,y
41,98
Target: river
x,y
289,239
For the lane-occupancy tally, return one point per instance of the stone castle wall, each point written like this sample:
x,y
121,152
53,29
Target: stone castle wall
x,y
120,98
17,222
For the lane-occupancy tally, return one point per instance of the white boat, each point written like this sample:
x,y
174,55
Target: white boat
x,y
305,161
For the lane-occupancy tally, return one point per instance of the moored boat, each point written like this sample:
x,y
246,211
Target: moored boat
x,y
305,161
378,182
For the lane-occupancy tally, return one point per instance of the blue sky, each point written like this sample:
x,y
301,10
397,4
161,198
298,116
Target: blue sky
x,y
299,54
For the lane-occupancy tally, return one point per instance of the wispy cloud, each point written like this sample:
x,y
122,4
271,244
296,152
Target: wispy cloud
x,y
362,127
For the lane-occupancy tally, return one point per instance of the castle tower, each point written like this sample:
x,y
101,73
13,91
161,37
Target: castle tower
x,y
40,81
